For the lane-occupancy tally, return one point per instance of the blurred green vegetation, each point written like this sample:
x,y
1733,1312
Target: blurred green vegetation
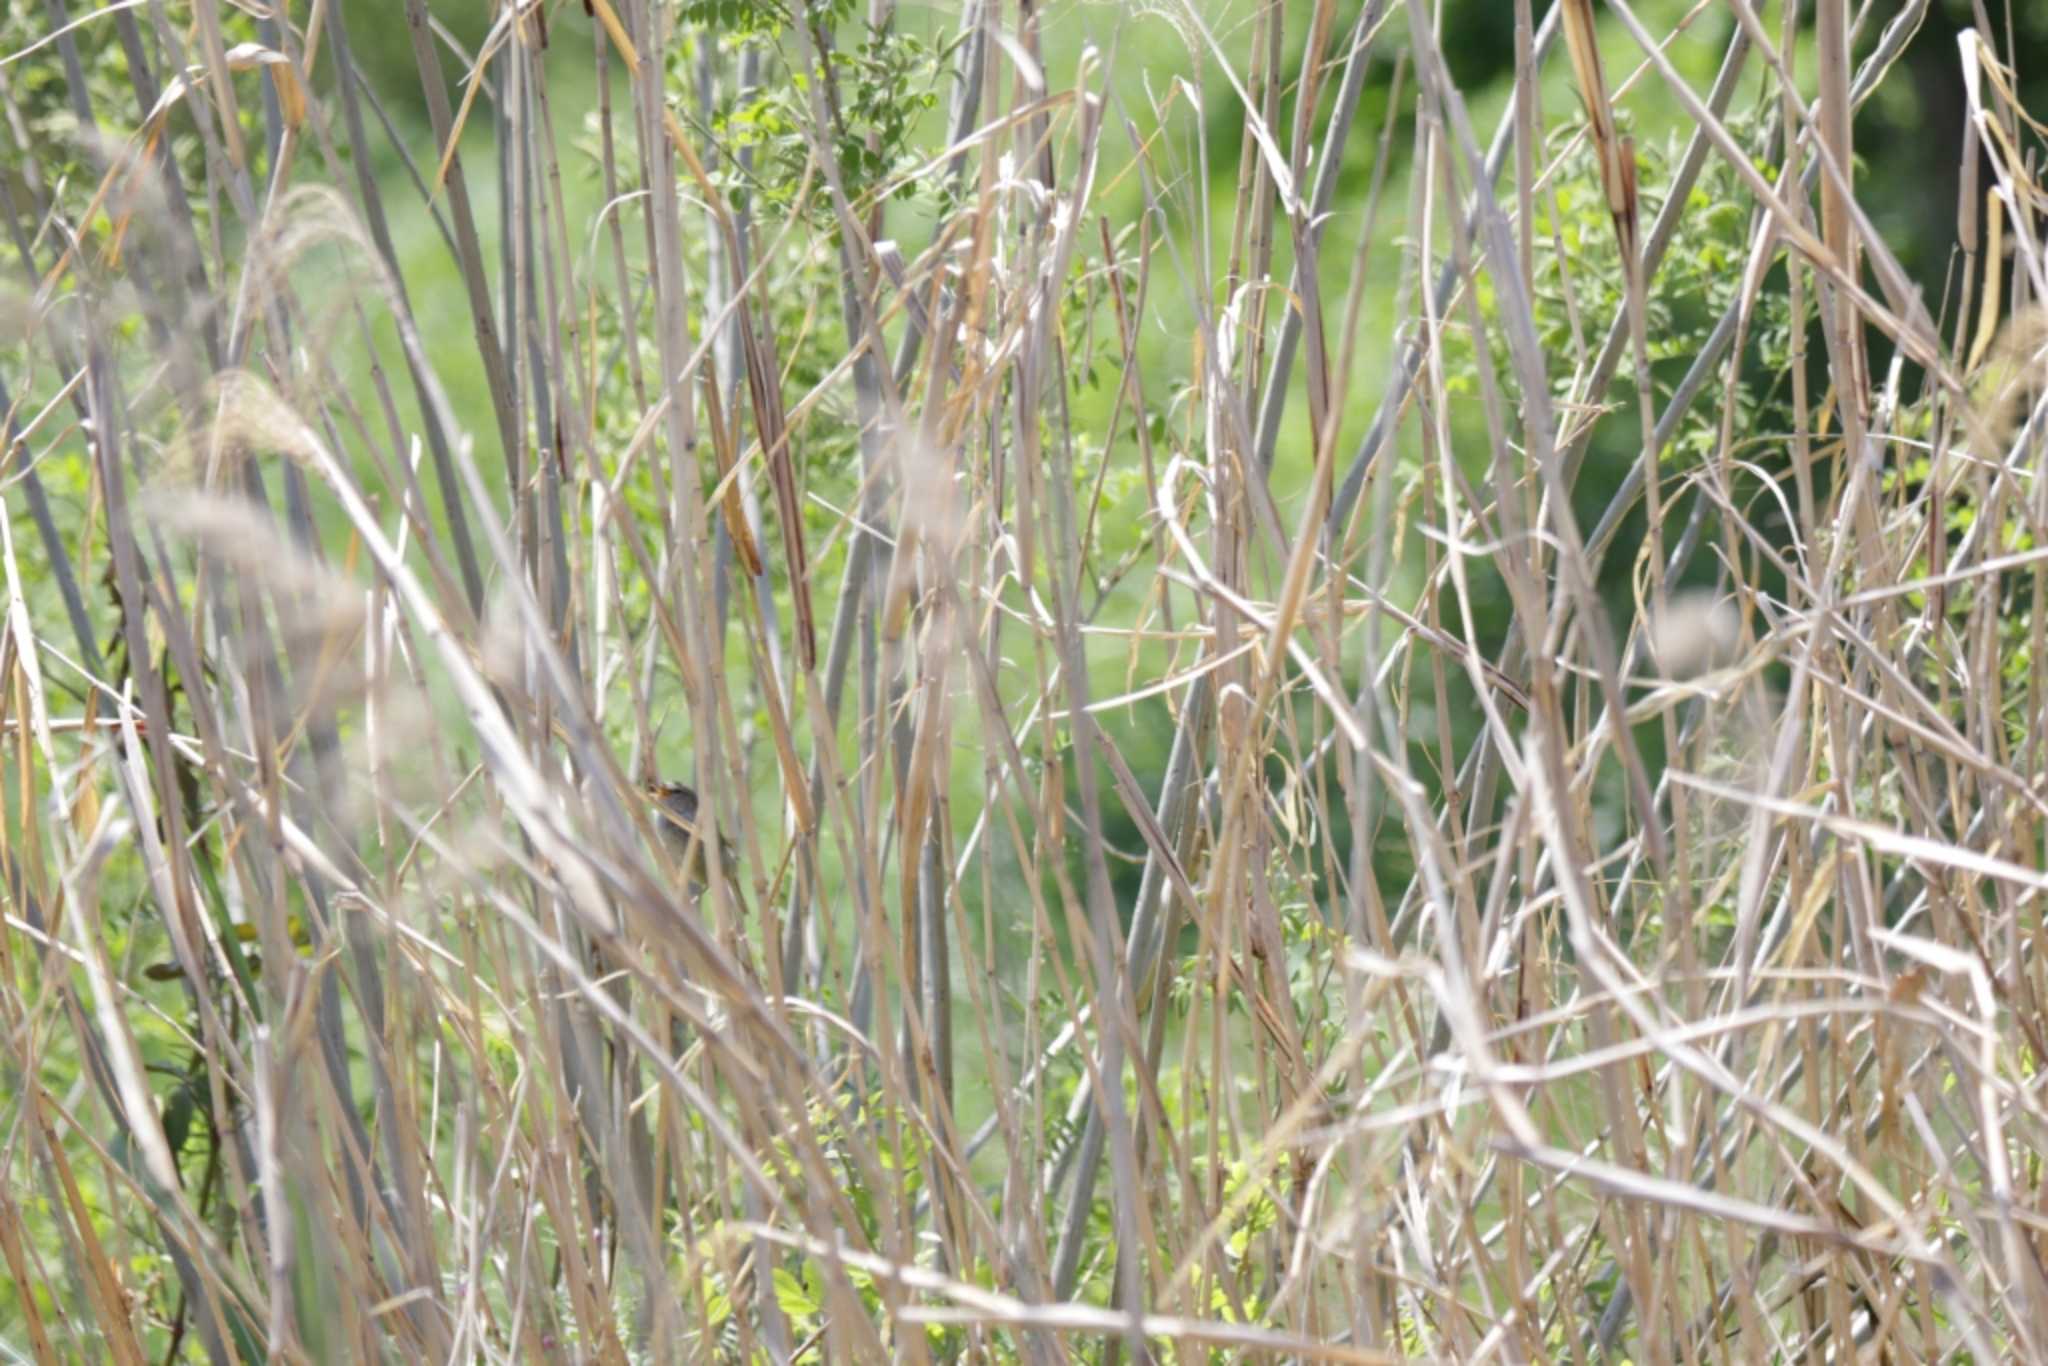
x,y
1908,179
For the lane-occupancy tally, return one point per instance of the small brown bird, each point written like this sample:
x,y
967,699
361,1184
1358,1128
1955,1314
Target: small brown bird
x,y
677,815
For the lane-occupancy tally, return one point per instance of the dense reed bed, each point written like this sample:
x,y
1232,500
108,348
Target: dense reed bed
x,y
1348,722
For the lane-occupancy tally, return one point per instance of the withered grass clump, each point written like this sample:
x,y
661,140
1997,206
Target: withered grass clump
x,y
1224,856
